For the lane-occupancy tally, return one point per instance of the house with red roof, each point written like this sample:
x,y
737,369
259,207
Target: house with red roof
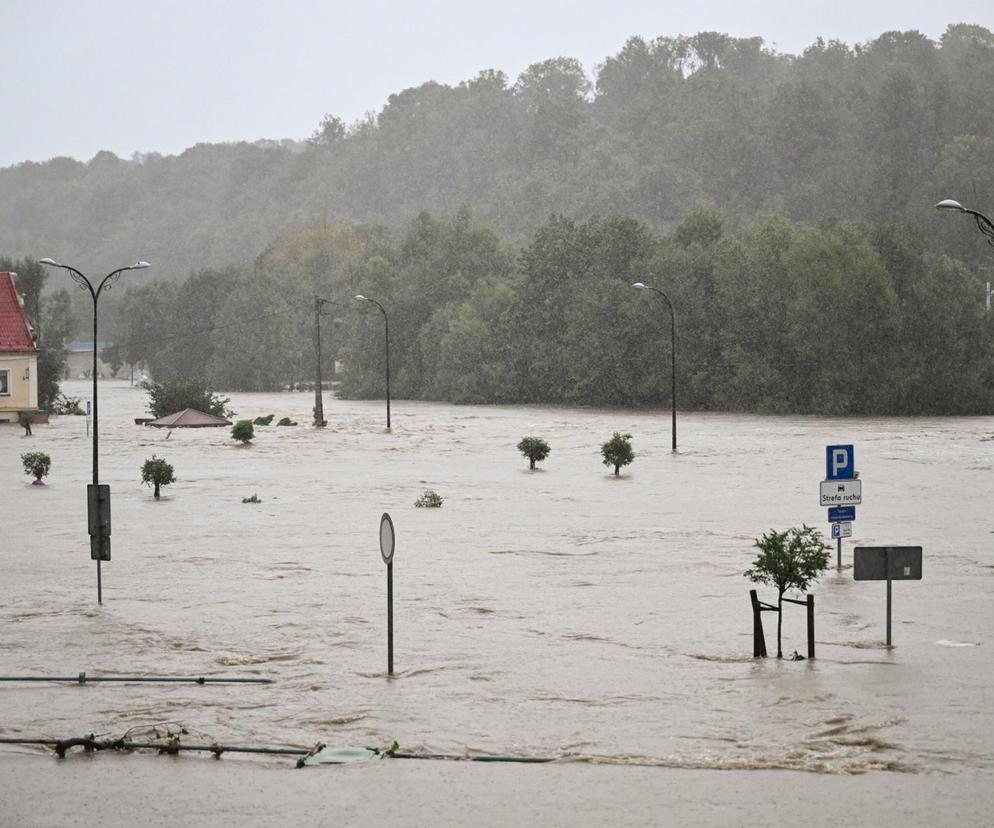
x,y
18,354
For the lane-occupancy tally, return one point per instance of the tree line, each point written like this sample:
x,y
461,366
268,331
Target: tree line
x,y
876,132
832,317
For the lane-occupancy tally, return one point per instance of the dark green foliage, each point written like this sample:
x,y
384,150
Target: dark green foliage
x,y
170,397
267,420
243,430
36,463
534,448
286,421
618,451
430,499
157,473
788,560
25,419
252,499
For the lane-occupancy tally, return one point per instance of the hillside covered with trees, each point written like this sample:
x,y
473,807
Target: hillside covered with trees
x,y
784,203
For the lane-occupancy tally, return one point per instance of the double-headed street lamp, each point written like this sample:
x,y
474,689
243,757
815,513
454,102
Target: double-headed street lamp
x,y
640,286
984,225
98,497
386,331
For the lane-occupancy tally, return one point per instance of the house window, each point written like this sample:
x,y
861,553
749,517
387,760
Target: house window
x,y
4,382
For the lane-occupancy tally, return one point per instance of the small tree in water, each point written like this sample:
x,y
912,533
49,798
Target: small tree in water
x,y
243,430
618,452
38,464
788,560
157,472
535,449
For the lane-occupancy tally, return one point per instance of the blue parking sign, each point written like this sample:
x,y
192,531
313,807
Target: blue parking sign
x,y
839,463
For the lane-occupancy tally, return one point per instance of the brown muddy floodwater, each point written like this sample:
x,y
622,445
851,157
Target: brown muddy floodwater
x,y
537,613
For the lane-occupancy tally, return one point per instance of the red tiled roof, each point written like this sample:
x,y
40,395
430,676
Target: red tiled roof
x,y
15,335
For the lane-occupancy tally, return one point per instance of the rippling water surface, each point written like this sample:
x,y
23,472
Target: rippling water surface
x,y
559,610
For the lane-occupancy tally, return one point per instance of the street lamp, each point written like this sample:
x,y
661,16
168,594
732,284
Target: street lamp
x,y
984,225
98,498
386,330
319,303
640,286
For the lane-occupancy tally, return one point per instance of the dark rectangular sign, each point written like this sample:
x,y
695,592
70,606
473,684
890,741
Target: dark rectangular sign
x,y
870,563
98,509
841,514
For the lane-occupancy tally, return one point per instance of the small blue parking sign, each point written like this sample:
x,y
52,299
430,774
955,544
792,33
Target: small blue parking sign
x,y
839,463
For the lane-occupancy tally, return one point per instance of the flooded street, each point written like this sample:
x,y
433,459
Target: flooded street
x,y
537,613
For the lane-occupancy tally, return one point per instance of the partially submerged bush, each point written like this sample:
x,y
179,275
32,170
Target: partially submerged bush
x,y
430,499
253,499
264,420
618,451
157,473
286,421
535,449
36,463
243,430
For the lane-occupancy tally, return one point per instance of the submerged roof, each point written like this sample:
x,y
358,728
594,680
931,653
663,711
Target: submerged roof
x,y
15,332
189,418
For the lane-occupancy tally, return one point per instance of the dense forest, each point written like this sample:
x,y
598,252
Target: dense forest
x,y
783,203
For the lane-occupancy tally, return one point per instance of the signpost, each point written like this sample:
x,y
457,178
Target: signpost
x,y
841,492
387,543
887,563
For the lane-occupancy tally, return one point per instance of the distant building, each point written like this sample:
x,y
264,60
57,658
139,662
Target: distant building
x,y
79,360
18,354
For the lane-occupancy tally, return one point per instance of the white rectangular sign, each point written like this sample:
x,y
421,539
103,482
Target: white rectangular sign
x,y
841,492
842,530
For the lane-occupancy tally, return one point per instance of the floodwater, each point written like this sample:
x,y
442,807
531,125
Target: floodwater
x,y
539,613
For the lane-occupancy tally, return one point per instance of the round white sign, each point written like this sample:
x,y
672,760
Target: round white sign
x,y
386,538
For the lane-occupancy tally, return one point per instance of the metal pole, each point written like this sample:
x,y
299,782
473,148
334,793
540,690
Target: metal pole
x,y
96,460
838,564
390,618
888,596
811,626
673,367
758,639
386,330
318,401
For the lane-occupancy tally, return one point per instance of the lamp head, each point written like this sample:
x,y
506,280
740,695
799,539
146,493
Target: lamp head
x,y
639,286
140,265
49,262
950,204
360,297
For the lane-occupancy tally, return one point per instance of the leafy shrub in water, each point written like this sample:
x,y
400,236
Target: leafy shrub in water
x,y
36,463
157,473
264,420
243,430
788,560
618,451
430,499
253,499
286,421
535,449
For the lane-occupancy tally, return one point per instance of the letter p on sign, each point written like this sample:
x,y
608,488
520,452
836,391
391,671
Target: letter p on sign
x,y
840,463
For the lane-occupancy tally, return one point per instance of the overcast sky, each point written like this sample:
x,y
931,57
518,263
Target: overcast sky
x,y
130,76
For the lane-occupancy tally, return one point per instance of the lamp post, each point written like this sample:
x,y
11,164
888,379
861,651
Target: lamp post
x,y
984,225
98,498
386,330
319,303
640,286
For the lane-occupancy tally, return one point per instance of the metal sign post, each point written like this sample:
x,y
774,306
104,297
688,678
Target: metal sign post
x,y
887,563
387,544
841,492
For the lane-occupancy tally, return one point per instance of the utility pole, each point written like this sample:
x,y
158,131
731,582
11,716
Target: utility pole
x,y
319,419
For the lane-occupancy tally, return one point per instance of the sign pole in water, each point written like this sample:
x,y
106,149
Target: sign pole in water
x,y
840,465
887,563
387,543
